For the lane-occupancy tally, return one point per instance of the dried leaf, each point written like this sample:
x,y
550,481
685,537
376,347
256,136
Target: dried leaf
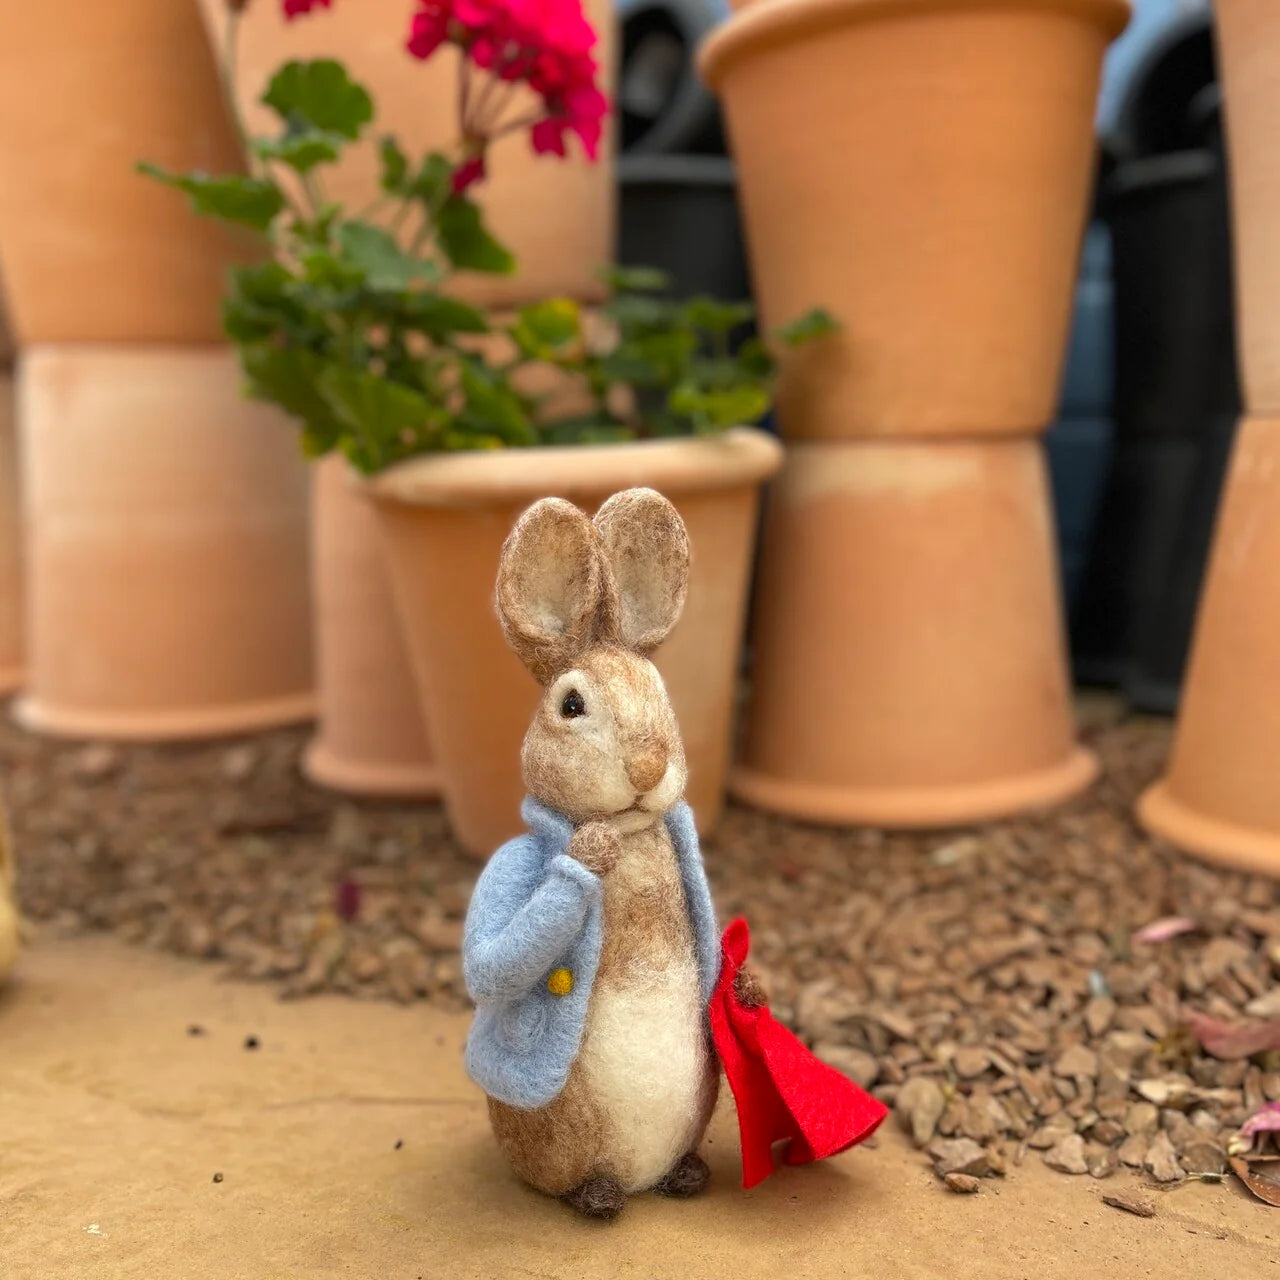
x,y
1255,1178
1228,1041
1265,1120
1164,929
1130,1203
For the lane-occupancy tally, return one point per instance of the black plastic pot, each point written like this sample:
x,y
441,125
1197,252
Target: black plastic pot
x,y
663,106
1080,441
1154,118
1176,396
680,213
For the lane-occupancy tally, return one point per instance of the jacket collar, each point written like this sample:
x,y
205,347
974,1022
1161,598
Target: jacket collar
x,y
554,830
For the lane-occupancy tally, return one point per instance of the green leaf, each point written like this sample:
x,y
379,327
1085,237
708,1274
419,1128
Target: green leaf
x,y
720,409
260,304
386,418
395,165
716,317
433,180
319,95
288,377
552,323
494,407
439,318
329,271
636,279
251,202
375,253
755,359
465,241
636,312
302,152
813,324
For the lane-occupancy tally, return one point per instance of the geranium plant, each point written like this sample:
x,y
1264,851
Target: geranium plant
x,y
351,324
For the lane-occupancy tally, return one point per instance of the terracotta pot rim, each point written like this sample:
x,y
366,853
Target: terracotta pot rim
x,y
918,808
1224,843
744,455
171,725
771,22
324,768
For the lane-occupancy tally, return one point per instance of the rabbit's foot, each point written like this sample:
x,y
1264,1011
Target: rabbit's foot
x,y
688,1176
599,1198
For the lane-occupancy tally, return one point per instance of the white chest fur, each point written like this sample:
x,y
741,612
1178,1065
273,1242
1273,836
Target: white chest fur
x,y
645,1053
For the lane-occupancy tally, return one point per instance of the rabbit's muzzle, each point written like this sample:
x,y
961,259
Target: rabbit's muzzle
x,y
647,768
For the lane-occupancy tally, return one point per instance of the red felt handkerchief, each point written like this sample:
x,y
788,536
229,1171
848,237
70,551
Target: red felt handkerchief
x,y
783,1092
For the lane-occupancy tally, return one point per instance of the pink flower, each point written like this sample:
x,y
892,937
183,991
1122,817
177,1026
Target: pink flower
x,y
544,44
296,8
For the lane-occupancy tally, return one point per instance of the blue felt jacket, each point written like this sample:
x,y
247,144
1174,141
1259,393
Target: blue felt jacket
x,y
536,910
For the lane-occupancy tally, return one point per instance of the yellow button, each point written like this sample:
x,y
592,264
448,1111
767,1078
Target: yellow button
x,y
560,983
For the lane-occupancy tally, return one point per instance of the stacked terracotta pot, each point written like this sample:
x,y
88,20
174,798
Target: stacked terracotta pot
x,y
921,168
1220,797
165,553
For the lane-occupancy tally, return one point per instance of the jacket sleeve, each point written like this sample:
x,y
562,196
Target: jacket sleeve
x,y
524,915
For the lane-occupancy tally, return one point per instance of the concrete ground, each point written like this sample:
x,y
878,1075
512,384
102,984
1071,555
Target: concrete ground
x,y
350,1143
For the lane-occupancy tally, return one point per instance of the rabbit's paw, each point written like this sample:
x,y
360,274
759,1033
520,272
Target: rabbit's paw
x,y
597,846
600,1198
749,989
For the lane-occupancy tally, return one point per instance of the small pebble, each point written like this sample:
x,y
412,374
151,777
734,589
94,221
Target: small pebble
x,y
195,1029
964,1184
399,1143
217,1177
251,1042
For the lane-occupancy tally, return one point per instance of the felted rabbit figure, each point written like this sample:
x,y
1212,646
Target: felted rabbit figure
x,y
591,946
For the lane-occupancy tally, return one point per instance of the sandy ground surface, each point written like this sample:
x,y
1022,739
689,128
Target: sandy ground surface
x,y
350,1143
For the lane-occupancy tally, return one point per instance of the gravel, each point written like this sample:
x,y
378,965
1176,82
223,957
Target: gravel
x,y
986,982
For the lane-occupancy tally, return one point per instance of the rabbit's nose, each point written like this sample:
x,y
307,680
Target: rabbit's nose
x,y
646,768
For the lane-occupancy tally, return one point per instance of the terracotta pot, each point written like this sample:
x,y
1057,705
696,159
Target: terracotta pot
x,y
371,738
910,664
8,903
1248,54
922,169
166,547
445,519
1219,798
556,216
10,554
92,251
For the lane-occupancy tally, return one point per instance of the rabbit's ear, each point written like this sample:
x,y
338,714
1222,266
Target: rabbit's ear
x,y
550,581
647,550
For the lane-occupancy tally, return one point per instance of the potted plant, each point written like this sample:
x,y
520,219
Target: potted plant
x,y
165,546
923,168
458,416
1218,797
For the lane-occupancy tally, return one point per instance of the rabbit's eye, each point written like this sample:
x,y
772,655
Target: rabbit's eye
x,y
573,705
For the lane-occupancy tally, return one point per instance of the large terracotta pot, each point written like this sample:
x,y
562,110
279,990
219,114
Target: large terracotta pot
x,y
166,547
445,519
921,168
557,216
371,740
1249,56
1220,798
910,662
10,553
93,252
